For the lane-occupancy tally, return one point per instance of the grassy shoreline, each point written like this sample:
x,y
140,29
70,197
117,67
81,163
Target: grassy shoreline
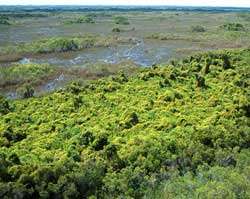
x,y
58,45
15,76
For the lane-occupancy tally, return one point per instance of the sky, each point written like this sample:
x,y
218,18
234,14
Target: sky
x,y
233,3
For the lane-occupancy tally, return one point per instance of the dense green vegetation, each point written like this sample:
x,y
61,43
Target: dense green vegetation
x,y
184,125
229,179
233,27
19,74
121,20
31,76
23,15
84,19
4,20
198,28
62,44
116,29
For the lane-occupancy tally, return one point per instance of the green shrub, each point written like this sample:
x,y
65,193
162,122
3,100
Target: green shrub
x,y
121,20
4,22
86,138
198,28
100,142
20,74
211,182
200,81
226,61
58,45
128,120
116,29
233,27
84,19
13,136
165,83
4,106
26,91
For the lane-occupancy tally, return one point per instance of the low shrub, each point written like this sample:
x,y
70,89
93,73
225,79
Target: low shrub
x,y
116,29
85,19
4,22
58,45
61,44
26,91
233,27
121,20
198,28
20,74
4,106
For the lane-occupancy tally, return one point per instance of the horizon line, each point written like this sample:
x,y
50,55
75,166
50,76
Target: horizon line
x,y
109,5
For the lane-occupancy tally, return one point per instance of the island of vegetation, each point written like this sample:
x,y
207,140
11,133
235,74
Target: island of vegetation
x,y
84,19
4,20
233,27
12,53
121,20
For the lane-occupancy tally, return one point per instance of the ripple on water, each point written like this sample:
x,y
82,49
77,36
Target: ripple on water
x,y
54,84
25,61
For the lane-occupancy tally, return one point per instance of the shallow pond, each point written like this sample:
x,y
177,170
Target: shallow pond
x,y
144,53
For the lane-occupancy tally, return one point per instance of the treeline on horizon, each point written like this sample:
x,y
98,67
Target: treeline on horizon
x,y
79,8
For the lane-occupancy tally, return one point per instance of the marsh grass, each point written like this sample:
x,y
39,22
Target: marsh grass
x,y
59,44
19,74
14,77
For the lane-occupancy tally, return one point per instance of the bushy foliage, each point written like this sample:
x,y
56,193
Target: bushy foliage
x,y
210,182
26,91
198,28
116,29
84,19
24,73
4,20
22,14
233,27
62,44
58,45
121,20
4,106
122,137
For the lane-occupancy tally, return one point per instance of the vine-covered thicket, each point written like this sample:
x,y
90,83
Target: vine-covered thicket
x,y
185,125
